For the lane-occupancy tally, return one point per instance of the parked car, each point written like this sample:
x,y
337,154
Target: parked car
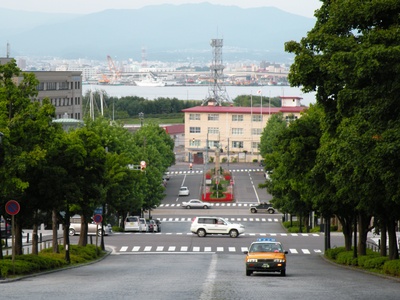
x,y
150,226
262,208
184,191
166,176
143,224
132,223
195,203
93,228
156,225
215,225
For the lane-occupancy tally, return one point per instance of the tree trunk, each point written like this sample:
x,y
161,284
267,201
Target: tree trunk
x,y
393,246
35,239
54,226
383,240
18,238
327,232
347,224
84,232
363,228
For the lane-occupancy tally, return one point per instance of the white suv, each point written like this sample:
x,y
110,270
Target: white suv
x,y
215,225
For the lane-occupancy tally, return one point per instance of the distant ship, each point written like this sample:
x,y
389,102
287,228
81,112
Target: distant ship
x,y
150,81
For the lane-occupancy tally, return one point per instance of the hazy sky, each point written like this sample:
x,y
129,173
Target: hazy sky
x,y
299,7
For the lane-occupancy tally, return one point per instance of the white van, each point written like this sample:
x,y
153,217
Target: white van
x,y
132,223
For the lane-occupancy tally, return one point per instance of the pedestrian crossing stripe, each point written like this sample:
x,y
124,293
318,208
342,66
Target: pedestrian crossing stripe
x,y
243,234
138,249
230,219
247,204
200,171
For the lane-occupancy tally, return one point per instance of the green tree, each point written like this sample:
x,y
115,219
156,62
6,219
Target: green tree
x,y
351,58
27,130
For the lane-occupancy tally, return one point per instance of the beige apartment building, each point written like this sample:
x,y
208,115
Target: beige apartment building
x,y
231,133
63,88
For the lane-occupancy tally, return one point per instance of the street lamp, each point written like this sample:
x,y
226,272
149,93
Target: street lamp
x,y
141,117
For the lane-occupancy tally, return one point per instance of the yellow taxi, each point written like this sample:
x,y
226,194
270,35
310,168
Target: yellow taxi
x,y
265,255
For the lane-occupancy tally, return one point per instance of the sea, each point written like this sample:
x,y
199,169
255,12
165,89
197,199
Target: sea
x,y
194,92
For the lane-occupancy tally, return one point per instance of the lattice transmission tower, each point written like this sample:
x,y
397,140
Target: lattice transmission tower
x,y
217,91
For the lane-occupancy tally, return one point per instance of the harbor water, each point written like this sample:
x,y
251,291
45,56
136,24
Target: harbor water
x,y
199,92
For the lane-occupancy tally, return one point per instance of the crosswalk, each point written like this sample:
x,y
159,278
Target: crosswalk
x,y
202,249
213,204
200,171
244,234
186,219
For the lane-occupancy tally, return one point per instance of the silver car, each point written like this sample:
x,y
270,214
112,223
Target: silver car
x,y
184,191
195,203
93,228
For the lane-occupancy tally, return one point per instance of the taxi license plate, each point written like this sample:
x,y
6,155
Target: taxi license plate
x,y
265,266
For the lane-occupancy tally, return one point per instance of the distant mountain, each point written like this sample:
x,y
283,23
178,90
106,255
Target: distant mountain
x,y
167,32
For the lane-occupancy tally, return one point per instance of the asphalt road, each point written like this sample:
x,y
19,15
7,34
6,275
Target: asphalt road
x,y
201,276
176,264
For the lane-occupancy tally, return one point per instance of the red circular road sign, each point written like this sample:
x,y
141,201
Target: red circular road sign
x,y
12,207
97,218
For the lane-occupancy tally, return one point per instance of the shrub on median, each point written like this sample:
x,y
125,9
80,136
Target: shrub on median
x,y
47,260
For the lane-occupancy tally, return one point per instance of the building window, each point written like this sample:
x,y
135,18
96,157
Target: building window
x,y
194,143
257,118
256,131
63,85
194,129
237,144
213,130
51,86
213,117
237,118
255,145
290,118
40,86
195,117
237,131
213,144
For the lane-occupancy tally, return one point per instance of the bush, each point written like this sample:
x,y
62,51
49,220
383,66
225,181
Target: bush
x,y
333,253
346,258
392,267
375,262
47,260
293,229
117,229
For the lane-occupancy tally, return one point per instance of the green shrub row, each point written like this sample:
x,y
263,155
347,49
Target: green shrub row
x,y
372,261
47,260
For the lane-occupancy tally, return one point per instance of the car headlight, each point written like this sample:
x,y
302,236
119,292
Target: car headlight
x,y
252,260
279,260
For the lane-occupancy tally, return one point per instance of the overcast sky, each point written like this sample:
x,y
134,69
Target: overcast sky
x,y
300,7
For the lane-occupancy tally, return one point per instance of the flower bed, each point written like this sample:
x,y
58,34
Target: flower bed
x,y
207,197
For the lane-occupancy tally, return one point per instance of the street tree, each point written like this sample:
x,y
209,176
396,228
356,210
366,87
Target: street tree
x,y
351,59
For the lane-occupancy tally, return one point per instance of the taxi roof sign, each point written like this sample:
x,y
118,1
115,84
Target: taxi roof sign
x,y
266,240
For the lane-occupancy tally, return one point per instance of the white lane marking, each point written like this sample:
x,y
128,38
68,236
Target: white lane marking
x,y
207,292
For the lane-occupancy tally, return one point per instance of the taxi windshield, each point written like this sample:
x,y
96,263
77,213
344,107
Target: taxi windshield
x,y
266,247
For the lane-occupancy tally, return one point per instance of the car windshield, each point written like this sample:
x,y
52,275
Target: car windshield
x,y
266,247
